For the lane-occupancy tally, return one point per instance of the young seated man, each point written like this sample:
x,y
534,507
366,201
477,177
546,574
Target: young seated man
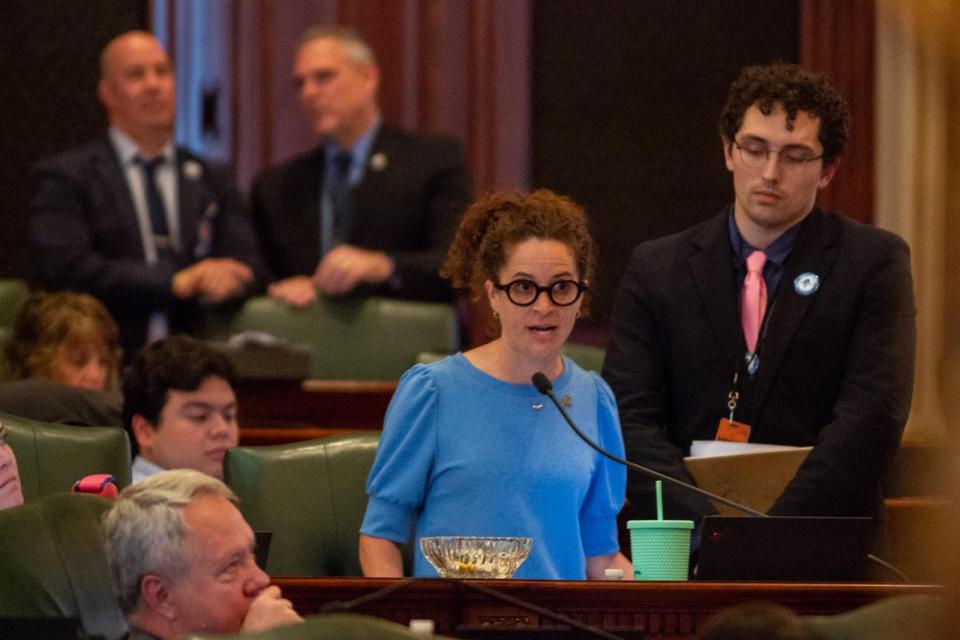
x,y
179,407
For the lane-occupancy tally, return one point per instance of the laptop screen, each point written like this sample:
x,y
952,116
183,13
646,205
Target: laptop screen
x,y
784,548
31,628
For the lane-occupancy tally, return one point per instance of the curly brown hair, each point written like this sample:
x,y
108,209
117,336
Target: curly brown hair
x,y
793,88
499,221
49,322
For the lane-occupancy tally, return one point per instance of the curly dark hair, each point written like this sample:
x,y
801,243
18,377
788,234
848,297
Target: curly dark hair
x,y
498,221
795,89
180,363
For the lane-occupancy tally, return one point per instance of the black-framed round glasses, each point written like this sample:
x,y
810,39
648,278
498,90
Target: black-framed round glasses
x,y
524,293
755,155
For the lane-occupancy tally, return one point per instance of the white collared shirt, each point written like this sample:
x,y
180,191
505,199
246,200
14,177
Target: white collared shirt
x,y
166,178
141,469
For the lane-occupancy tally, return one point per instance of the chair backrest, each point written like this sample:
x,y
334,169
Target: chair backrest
x,y
52,564
352,338
310,496
51,457
13,293
587,356
902,617
330,626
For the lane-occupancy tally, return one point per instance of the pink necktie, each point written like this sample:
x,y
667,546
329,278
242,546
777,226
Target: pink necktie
x,y
753,299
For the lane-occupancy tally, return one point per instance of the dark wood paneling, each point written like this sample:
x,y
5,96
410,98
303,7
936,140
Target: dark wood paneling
x,y
659,609
626,101
49,57
338,404
838,39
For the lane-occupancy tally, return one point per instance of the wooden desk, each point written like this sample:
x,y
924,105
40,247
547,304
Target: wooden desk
x,y
659,610
324,404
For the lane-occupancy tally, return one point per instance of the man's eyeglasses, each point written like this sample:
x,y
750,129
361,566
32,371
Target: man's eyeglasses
x,y
524,293
755,156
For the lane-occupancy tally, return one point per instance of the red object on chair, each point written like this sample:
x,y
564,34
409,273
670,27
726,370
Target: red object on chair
x,y
99,484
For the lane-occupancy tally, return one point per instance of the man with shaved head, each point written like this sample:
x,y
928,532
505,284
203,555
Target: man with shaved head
x,y
149,228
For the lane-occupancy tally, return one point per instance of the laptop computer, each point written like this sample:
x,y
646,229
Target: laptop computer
x,y
784,548
261,549
33,627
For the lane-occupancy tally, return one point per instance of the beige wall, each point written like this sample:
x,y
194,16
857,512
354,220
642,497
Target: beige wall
x,y
918,188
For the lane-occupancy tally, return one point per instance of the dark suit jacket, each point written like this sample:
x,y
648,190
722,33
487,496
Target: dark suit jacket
x,y
409,208
836,366
85,236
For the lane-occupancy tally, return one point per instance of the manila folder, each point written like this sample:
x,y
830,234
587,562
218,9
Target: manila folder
x,y
752,479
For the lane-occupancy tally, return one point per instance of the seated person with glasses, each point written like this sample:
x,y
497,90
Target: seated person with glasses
x,y
469,446
773,322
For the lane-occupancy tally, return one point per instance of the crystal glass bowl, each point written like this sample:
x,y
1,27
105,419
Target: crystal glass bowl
x,y
475,557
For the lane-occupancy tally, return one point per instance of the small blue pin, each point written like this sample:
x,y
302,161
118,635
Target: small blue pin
x,y
806,283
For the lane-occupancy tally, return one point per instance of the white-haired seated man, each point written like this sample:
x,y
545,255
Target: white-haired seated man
x,y
182,557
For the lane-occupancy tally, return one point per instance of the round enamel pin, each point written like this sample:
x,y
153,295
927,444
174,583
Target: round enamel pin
x,y
806,283
378,161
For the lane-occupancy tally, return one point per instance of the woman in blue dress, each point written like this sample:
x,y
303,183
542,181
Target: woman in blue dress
x,y
469,446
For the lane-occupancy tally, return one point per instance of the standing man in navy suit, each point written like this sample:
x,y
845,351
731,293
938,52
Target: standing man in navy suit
x,y
801,319
149,228
372,209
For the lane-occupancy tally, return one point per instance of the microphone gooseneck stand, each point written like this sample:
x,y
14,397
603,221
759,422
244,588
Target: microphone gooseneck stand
x,y
544,386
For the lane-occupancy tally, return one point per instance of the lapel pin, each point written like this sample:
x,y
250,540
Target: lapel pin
x,y
192,169
567,401
806,283
378,161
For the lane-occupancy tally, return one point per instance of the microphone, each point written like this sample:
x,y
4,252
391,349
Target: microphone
x,y
544,386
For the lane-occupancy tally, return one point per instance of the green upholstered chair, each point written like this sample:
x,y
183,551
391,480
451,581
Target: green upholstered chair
x,y
351,338
52,564
52,457
330,626
13,293
906,617
587,356
310,496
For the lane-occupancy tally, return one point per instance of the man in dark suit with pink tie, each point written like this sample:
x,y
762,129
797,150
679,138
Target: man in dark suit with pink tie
x,y
772,322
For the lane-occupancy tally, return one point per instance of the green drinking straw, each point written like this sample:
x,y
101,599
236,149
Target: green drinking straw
x,y
659,500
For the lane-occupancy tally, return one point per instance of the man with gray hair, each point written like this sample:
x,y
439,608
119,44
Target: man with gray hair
x,y
372,208
182,557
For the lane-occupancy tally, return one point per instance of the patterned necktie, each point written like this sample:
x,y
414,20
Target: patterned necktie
x,y
753,299
340,187
158,214
337,189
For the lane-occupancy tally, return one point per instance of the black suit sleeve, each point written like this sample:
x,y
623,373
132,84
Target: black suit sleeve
x,y
636,367
855,447
69,222
445,197
233,233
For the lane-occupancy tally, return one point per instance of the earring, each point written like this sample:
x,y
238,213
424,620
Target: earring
x,y
496,316
578,314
